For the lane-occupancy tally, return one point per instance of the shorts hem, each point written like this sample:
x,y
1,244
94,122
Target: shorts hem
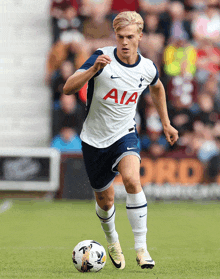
x,y
103,188
122,156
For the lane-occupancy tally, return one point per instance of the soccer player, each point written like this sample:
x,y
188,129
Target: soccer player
x,y
116,78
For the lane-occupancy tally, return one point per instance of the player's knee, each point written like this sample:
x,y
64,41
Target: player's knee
x,y
132,184
107,205
129,181
105,202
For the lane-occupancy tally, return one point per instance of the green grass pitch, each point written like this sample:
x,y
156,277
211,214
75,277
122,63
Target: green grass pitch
x,y
37,239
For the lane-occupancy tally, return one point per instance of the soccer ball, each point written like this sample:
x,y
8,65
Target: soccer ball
x,y
89,256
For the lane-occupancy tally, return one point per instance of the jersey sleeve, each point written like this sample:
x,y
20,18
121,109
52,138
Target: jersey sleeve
x,y
91,61
155,79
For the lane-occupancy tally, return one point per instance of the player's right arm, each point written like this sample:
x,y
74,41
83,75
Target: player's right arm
x,y
75,82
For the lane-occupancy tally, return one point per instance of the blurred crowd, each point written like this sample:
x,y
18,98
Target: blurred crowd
x,y
183,40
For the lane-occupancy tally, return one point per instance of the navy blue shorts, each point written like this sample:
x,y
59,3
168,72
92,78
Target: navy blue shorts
x,y
101,163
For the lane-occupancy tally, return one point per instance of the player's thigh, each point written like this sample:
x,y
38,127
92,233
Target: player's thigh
x,y
105,199
129,168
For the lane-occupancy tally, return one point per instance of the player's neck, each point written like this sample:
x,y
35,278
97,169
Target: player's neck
x,y
132,59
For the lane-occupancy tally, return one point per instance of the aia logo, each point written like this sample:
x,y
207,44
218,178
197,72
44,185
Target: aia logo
x,y
113,94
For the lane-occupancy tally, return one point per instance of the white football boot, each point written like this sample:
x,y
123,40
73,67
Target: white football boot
x,y
144,259
116,255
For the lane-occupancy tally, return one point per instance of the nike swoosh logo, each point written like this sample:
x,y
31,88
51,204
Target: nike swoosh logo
x,y
114,263
114,77
129,148
142,215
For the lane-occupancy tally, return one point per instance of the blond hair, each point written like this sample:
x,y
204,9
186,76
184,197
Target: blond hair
x,y
124,19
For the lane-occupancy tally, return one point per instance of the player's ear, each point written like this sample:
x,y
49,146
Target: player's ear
x,y
140,36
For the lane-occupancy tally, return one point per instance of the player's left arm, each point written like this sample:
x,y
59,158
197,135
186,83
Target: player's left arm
x,y
158,95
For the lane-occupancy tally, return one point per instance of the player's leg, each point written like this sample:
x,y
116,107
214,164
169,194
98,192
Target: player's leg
x,y
105,210
98,165
136,204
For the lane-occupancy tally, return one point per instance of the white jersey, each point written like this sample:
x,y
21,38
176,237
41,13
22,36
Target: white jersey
x,y
112,97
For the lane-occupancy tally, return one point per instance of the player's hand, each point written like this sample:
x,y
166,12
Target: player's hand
x,y
101,62
171,134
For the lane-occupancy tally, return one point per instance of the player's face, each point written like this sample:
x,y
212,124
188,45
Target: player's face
x,y
128,39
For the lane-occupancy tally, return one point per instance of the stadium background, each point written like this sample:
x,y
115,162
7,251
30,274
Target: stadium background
x,y
44,42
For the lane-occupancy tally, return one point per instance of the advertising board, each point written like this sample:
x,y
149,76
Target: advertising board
x,y
29,169
162,178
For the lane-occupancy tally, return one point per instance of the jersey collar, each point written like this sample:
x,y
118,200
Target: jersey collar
x,y
124,64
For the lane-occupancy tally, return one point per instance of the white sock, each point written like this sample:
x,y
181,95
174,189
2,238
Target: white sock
x,y
136,205
107,219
